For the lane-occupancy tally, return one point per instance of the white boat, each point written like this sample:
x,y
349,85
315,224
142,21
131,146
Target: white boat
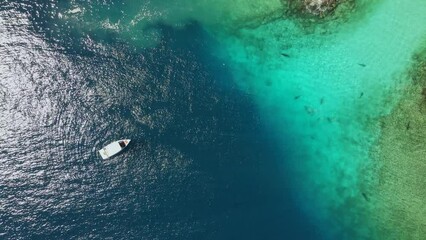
x,y
113,148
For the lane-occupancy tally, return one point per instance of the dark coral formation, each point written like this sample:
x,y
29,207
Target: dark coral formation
x,y
319,8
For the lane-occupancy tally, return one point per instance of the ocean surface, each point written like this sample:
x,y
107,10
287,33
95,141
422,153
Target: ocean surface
x,y
200,166
248,120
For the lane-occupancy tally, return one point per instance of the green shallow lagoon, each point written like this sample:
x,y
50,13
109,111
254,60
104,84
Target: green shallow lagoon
x,y
325,85
400,186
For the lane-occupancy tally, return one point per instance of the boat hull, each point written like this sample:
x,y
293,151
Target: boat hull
x,y
113,148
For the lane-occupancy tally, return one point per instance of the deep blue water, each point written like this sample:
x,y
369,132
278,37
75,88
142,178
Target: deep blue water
x,y
201,164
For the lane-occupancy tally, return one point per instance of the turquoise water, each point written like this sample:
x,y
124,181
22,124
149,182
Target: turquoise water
x,y
343,79
315,87
327,95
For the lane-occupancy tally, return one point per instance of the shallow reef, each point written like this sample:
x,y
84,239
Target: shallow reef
x,y
129,21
